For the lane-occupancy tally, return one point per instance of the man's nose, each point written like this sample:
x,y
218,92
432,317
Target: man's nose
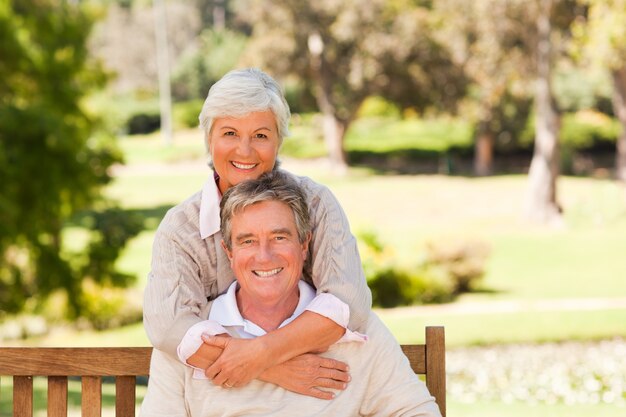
x,y
264,253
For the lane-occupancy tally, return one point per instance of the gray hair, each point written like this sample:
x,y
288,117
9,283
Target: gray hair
x,y
271,186
241,92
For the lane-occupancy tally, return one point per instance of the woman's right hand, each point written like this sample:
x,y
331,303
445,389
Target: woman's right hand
x,y
309,374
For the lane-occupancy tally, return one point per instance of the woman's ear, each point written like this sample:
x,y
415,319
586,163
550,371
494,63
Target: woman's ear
x,y
305,245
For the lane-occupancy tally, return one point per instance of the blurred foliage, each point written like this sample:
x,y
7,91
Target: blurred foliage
x,y
582,130
186,114
216,53
54,155
446,270
351,50
377,106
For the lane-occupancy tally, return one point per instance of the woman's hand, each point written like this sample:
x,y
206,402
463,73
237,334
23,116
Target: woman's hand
x,y
205,356
307,374
241,361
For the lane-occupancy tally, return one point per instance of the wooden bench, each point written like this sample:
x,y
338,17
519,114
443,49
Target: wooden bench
x,y
125,364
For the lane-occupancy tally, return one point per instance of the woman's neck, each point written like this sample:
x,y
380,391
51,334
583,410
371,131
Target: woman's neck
x,y
267,315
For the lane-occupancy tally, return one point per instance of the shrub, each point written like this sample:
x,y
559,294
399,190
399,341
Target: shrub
x,y
143,123
377,106
588,129
446,271
462,261
186,113
108,307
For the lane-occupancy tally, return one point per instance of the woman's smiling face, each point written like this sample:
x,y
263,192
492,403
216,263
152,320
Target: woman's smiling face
x,y
243,148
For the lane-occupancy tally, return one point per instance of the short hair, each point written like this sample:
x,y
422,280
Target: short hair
x,y
241,92
271,186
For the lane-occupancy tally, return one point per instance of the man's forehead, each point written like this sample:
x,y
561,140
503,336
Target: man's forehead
x,y
269,215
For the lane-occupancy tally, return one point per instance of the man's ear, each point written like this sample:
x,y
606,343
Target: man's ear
x,y
228,252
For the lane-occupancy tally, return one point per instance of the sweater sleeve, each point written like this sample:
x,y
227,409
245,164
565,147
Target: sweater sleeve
x,y
335,262
182,280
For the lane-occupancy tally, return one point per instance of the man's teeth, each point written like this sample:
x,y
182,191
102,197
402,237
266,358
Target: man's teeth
x,y
268,273
243,166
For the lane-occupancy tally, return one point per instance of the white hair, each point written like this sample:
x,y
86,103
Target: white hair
x,y
241,92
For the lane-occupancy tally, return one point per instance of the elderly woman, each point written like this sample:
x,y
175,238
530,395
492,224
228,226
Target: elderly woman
x,y
266,232
245,118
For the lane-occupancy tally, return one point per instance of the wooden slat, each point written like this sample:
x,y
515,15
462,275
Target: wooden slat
x,y
75,361
417,357
57,396
22,396
436,365
125,396
91,401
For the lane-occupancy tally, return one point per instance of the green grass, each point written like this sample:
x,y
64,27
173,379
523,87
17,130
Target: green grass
x,y
508,327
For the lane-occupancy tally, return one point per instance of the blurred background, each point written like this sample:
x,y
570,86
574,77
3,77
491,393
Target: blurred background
x,y
478,149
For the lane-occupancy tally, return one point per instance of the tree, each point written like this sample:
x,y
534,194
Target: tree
x,y
489,40
350,50
602,43
542,205
53,159
125,41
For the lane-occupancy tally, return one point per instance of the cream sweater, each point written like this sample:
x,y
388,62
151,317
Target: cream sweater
x,y
382,384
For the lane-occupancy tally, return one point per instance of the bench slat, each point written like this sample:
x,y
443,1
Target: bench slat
x,y
91,401
436,365
125,396
57,396
22,396
416,355
75,361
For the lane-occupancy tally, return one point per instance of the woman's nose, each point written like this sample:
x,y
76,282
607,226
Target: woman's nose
x,y
244,148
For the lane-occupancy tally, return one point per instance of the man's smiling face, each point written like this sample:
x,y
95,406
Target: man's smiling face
x,y
267,256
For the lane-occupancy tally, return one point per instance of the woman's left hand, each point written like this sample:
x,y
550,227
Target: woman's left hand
x,y
241,361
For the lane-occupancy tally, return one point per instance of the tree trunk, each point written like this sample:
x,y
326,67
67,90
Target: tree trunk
x,y
483,150
619,107
334,131
165,95
541,204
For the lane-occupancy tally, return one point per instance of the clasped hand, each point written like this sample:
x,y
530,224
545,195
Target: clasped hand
x,y
243,360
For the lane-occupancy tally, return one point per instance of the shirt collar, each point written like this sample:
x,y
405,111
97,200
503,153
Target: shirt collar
x,y
225,311
210,208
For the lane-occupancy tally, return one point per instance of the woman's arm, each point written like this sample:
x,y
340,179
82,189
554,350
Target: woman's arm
x,y
245,359
186,271
335,265
306,374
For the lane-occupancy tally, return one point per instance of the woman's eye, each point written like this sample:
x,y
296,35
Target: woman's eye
x,y
261,136
229,133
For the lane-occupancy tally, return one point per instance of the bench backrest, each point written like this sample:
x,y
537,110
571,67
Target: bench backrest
x,y
125,364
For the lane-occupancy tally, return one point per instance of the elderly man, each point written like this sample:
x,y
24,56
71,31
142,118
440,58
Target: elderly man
x,y
266,231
